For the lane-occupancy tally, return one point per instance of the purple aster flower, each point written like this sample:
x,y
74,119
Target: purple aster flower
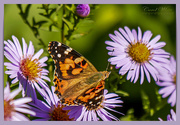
x,y
167,80
25,67
14,108
171,117
83,10
135,54
51,109
81,113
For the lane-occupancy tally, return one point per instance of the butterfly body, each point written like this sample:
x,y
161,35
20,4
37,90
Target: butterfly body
x,y
77,82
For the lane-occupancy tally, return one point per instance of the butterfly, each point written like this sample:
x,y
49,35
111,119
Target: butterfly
x,y
77,81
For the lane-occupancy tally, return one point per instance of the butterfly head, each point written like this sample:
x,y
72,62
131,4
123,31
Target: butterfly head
x,y
105,74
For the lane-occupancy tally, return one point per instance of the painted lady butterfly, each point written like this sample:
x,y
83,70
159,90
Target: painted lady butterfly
x,y
77,81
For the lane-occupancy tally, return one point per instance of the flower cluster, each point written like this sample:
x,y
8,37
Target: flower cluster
x,y
27,68
134,54
138,55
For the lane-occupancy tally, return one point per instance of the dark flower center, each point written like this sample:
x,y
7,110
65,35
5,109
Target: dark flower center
x,y
8,108
58,114
174,79
139,52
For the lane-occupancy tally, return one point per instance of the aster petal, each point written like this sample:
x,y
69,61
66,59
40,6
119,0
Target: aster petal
x,y
14,93
42,83
30,50
109,115
14,80
116,58
110,95
11,66
166,91
147,74
10,58
19,117
134,70
153,41
137,73
11,52
85,116
159,45
82,114
134,35
122,62
114,110
89,116
139,34
125,68
9,72
125,35
43,115
146,37
165,83
11,45
6,91
24,47
18,46
159,59
113,101
142,75
172,98
41,105
131,37
114,38
173,114
22,101
113,44
101,116
38,54
121,39
94,116
24,110
131,70
44,59
152,71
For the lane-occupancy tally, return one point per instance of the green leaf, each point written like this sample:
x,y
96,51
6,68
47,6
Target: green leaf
x,y
123,93
27,10
145,101
76,36
68,23
19,6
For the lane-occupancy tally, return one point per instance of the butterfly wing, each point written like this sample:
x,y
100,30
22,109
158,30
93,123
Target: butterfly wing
x,y
71,71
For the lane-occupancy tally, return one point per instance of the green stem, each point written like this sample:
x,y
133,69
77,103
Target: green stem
x,y
62,28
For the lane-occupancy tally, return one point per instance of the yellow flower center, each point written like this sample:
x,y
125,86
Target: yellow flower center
x,y
7,110
30,68
139,52
58,114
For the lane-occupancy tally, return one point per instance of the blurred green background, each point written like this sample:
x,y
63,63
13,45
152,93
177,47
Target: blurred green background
x,y
142,101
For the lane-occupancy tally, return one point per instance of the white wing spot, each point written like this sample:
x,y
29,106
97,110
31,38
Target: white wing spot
x,y
59,55
59,44
66,52
56,47
69,49
56,51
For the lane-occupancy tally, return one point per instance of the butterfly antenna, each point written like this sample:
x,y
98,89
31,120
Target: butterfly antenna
x,y
109,62
107,66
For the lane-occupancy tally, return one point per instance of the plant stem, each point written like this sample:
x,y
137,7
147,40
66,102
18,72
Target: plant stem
x,y
62,28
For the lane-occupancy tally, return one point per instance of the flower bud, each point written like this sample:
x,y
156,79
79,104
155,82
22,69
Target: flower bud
x,y
83,10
